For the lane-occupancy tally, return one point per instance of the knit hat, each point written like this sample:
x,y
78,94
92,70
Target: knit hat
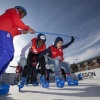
x,y
57,40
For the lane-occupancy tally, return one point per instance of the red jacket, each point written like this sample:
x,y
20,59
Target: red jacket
x,y
34,48
10,21
57,52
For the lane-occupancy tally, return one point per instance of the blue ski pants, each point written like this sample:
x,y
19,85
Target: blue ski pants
x,y
6,50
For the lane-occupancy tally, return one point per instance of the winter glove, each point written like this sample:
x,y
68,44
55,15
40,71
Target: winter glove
x,y
72,39
59,58
24,32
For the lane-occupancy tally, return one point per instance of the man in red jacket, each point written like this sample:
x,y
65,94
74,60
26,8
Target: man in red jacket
x,y
36,45
10,22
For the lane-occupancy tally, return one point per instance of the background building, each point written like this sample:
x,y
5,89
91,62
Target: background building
x,y
89,64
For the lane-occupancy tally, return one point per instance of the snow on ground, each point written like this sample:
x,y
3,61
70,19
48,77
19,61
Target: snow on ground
x,y
88,89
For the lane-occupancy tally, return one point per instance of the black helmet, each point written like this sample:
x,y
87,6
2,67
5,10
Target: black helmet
x,y
20,7
41,37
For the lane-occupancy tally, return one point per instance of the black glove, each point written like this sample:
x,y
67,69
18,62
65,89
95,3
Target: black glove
x,y
72,39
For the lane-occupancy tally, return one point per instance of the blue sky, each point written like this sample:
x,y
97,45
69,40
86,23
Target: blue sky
x,y
79,18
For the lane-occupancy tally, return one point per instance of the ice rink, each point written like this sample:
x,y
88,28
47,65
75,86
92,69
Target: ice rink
x,y
88,89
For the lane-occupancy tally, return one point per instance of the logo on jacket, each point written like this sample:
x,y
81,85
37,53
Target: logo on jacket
x,y
8,35
54,52
60,50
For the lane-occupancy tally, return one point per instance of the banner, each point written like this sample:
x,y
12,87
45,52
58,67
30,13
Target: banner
x,y
94,73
